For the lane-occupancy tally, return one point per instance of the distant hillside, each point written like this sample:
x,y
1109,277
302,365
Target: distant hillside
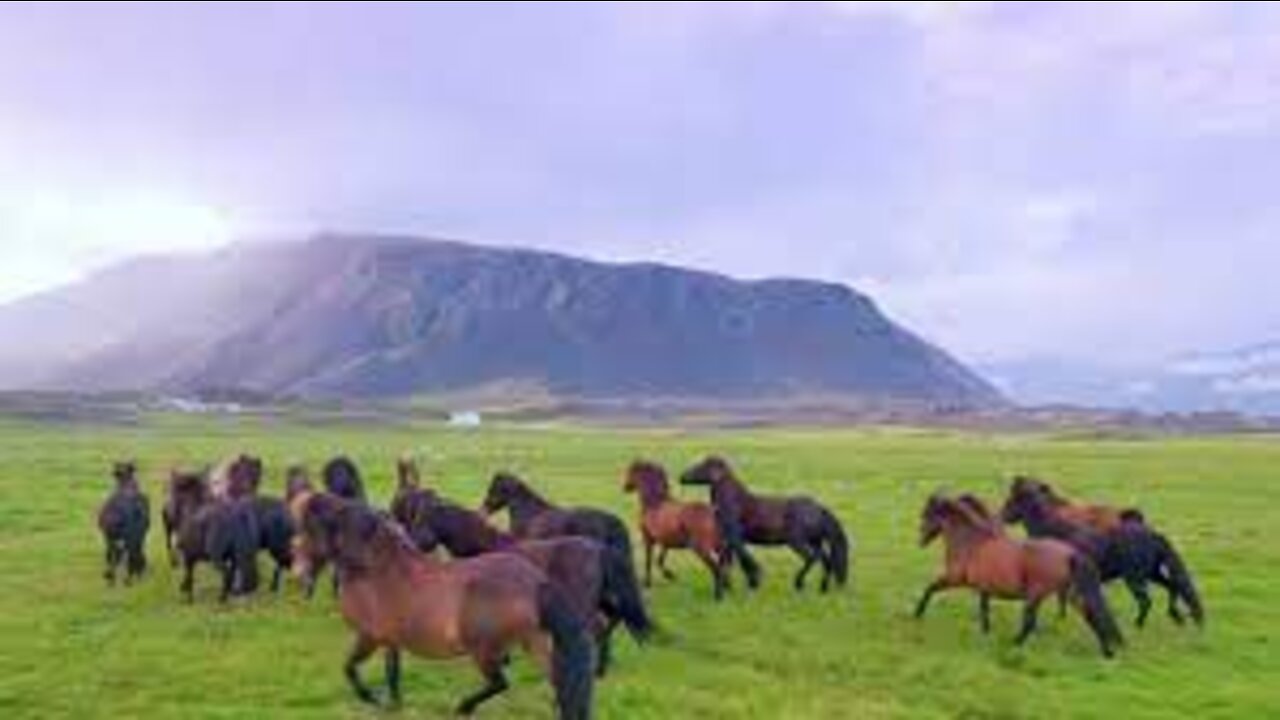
x,y
384,317
1245,380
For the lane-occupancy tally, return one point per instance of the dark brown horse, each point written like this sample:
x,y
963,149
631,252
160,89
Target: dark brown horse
x,y
237,477
535,518
395,598
1102,518
801,523
1132,552
186,491
671,524
982,557
222,532
601,583
124,520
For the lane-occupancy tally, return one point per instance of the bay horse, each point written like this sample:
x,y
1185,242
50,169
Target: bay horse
x,y
597,579
123,520
397,599
671,524
982,557
1133,552
533,517
1102,518
799,522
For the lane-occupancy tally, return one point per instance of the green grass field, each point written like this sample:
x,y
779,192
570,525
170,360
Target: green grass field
x,y
73,647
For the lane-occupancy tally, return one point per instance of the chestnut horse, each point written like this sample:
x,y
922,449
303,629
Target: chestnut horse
x,y
123,520
982,557
602,585
801,523
1133,552
395,598
1102,518
535,518
670,524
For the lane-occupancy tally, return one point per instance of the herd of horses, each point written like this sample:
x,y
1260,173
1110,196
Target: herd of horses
x,y
560,580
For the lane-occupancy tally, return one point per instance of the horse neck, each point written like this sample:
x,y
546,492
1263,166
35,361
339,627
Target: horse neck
x,y
653,494
525,505
729,488
1039,519
962,535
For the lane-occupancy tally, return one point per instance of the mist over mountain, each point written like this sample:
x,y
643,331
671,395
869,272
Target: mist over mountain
x,y
352,316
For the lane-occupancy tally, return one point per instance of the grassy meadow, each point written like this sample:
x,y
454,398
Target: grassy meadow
x,y
72,647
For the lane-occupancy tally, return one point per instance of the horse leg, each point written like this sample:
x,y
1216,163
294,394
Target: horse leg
x,y
490,665
717,576
275,578
938,585
662,564
828,566
361,651
228,579
1138,588
604,645
393,674
110,573
984,612
648,561
188,578
806,553
1029,616
1164,582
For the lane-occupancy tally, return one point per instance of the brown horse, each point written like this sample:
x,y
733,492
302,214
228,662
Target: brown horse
x,y
670,524
1102,518
601,584
297,480
222,532
801,523
982,557
396,598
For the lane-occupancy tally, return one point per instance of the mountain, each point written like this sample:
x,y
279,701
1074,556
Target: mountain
x,y
352,316
1244,380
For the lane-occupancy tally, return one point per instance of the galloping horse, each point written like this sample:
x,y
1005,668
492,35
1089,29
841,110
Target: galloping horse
x,y
800,523
601,583
395,598
222,532
123,520
533,517
1102,518
1133,552
668,523
981,556
342,478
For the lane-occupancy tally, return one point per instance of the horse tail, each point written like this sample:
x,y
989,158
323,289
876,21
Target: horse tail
x,y
1179,577
617,539
572,654
837,546
623,590
1088,588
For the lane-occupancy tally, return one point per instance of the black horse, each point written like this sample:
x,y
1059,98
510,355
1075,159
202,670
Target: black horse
x,y
1132,552
534,517
275,534
342,478
801,523
124,519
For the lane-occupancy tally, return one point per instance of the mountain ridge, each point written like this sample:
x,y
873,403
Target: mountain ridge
x,y
388,315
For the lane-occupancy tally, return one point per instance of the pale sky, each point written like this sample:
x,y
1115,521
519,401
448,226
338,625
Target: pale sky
x,y
1076,180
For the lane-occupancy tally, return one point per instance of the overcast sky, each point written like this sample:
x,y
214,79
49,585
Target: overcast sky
x,y
1095,180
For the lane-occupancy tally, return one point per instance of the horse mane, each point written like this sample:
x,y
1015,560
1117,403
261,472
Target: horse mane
x,y
971,511
520,487
973,505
